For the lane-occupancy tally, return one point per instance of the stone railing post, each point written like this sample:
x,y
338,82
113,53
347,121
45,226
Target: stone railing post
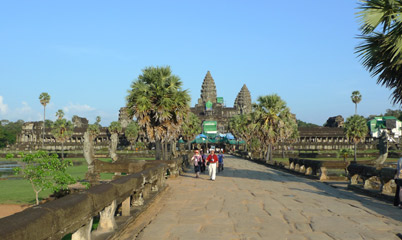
x,y
324,174
309,171
302,169
84,233
125,207
107,222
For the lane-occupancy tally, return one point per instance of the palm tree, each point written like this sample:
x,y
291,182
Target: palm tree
x,y
62,130
356,98
114,128
59,114
44,99
98,120
272,117
159,105
356,130
380,50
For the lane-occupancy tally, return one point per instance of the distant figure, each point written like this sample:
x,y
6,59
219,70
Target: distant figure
x,y
213,162
398,181
197,161
204,159
220,161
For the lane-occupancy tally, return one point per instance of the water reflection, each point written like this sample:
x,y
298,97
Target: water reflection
x,y
6,169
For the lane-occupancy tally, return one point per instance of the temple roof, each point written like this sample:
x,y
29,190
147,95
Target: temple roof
x,y
208,89
243,100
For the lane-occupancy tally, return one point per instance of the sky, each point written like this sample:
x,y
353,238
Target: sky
x,y
86,54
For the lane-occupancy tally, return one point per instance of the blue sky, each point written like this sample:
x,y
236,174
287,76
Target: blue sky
x,y
86,54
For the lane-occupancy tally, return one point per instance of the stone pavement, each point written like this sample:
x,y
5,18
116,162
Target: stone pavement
x,y
251,201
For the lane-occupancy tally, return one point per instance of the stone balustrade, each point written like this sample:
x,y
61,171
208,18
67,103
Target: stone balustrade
x,y
314,167
74,213
378,180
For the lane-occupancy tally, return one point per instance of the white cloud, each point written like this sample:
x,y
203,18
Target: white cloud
x,y
77,108
3,106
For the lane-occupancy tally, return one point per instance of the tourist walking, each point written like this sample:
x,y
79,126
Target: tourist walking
x,y
197,162
398,181
204,159
213,162
220,161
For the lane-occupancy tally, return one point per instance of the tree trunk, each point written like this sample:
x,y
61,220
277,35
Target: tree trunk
x,y
270,153
355,159
283,150
43,132
114,140
158,149
165,151
62,150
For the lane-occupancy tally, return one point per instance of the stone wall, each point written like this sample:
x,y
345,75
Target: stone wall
x,y
74,213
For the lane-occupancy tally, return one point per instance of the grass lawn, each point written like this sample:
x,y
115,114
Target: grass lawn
x,y
19,191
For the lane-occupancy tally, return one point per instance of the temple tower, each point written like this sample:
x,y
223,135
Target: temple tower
x,y
243,101
208,90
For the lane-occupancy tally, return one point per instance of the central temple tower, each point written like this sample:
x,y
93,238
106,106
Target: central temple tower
x,y
211,108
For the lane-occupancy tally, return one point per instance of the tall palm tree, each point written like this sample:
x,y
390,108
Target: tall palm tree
x,y
44,99
62,130
356,98
59,114
159,104
272,116
356,130
380,50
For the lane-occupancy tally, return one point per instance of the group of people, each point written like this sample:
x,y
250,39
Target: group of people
x,y
213,161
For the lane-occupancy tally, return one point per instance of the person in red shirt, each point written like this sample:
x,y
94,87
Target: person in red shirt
x,y
212,159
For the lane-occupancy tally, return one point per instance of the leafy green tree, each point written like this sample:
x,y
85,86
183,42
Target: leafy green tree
x,y
191,128
380,50
114,129
131,132
356,130
274,122
9,131
44,99
345,152
300,123
45,172
159,104
62,130
243,126
356,98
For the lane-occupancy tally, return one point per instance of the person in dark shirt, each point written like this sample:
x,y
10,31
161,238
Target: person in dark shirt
x,y
220,161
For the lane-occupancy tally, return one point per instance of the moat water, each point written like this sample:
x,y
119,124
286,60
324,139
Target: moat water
x,y
6,169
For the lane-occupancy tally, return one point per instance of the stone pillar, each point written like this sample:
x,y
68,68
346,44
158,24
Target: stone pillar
x,y
126,207
292,166
354,179
302,169
84,233
107,222
297,167
309,171
323,175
